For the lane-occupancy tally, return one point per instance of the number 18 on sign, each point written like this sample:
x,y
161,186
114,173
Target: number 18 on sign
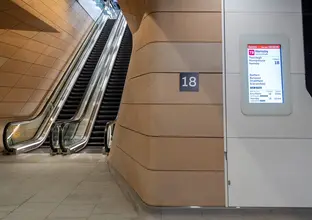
x,y
189,82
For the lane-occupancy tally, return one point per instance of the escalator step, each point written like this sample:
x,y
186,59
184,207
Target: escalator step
x,y
113,99
94,144
97,139
101,122
114,91
116,83
68,111
99,127
68,106
112,107
97,135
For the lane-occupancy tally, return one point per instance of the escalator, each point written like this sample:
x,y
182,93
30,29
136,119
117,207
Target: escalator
x,y
112,97
76,95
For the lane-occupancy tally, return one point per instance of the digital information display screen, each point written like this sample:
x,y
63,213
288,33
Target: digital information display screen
x,y
265,78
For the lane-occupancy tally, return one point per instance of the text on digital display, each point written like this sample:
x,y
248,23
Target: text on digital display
x,y
265,81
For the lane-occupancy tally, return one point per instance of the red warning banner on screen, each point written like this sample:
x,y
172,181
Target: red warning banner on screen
x,y
264,46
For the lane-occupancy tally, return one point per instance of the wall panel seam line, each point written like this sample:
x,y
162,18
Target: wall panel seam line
x,y
179,12
174,104
7,14
161,170
51,21
63,10
41,77
14,59
164,136
182,42
41,31
157,72
20,102
28,101
57,15
15,73
12,30
54,12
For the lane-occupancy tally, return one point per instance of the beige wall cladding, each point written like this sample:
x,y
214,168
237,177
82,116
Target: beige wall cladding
x,y
177,57
163,88
11,38
156,28
8,79
7,50
171,188
37,38
134,10
183,5
159,153
168,144
173,120
3,60
3,92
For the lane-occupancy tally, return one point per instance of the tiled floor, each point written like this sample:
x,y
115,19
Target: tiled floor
x,y
37,187
80,187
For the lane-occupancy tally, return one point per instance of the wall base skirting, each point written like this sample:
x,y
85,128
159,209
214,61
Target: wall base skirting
x,y
140,205
142,208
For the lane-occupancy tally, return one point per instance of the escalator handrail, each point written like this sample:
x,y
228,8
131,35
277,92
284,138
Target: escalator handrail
x,y
107,127
97,96
52,108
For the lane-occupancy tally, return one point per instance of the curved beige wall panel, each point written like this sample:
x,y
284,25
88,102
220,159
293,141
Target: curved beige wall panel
x,y
168,145
156,28
182,5
149,89
171,188
160,153
172,57
173,120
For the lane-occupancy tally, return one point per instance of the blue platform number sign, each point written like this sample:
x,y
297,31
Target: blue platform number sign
x,y
189,82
